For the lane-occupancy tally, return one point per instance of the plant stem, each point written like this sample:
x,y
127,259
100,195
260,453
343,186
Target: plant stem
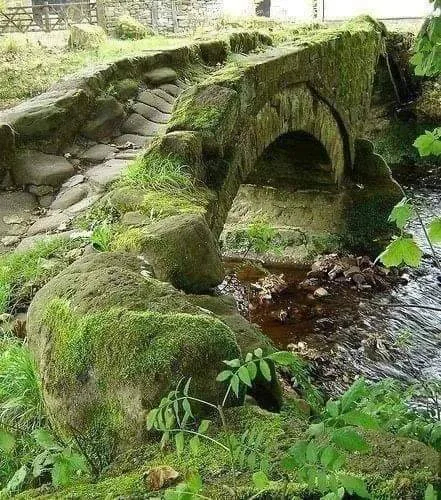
x,y
194,433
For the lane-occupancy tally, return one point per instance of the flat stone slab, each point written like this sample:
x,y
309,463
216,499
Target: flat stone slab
x,y
98,153
32,241
163,95
139,141
154,100
161,75
33,167
151,113
69,197
49,224
171,89
103,175
137,124
16,212
83,205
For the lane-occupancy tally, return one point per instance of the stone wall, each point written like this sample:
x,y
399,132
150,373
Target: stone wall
x,y
165,15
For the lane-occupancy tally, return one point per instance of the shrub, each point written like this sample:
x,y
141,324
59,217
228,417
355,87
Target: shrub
x,y
86,36
128,28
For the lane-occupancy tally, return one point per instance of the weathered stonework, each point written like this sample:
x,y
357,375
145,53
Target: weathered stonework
x,y
165,15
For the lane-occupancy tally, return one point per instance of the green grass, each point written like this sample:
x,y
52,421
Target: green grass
x,y
27,69
23,273
159,173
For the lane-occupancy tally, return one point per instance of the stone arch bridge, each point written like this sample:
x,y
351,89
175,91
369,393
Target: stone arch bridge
x,y
288,116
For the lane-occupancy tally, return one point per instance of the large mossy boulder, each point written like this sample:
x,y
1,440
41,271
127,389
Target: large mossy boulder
x,y
86,36
183,251
110,341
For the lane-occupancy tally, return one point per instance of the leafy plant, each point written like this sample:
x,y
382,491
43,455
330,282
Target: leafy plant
x,y
316,461
101,237
61,462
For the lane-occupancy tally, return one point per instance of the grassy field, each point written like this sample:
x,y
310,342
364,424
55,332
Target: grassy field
x,y
28,68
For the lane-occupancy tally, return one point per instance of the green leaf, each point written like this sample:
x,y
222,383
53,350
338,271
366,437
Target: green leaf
x,y
402,250
353,394
430,493
248,357
7,441
187,407
312,452
258,352
265,369
360,419
316,430
401,213
333,408
328,456
252,370
225,375
235,384
298,452
194,444
434,231
187,387
244,375
17,480
194,483
180,442
260,480
45,439
233,363
348,439
354,485
203,427
429,143
283,358
61,472
40,463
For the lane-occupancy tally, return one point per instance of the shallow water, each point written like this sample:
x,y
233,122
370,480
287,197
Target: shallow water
x,y
352,332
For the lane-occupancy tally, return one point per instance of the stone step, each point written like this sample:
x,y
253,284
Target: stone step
x,y
163,95
147,97
58,221
137,124
172,89
159,76
139,141
98,153
103,175
33,167
69,197
150,113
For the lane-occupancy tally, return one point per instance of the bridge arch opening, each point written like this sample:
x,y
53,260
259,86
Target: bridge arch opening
x,y
292,190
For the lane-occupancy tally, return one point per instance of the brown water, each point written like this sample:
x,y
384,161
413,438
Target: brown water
x,y
351,332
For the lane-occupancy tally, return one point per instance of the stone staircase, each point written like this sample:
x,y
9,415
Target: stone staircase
x,y
56,189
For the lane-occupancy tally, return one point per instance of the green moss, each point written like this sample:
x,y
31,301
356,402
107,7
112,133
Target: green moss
x,y
129,240
149,341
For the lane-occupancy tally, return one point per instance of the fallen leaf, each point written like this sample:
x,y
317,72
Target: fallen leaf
x,y
158,477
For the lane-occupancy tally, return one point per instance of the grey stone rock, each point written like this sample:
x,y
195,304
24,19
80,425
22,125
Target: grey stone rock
x,y
171,89
7,147
150,113
98,153
130,154
137,124
107,117
102,175
40,190
74,181
49,224
46,200
33,167
151,99
31,241
13,219
13,204
139,141
163,95
67,198
161,75
9,241
83,205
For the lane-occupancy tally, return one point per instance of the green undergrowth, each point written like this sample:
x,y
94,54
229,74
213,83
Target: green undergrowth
x,y
383,469
23,273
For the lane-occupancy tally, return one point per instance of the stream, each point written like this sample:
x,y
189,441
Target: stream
x,y
352,332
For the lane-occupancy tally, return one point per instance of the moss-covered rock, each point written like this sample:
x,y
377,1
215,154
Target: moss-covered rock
x,y
128,28
86,36
183,251
125,89
111,342
428,105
